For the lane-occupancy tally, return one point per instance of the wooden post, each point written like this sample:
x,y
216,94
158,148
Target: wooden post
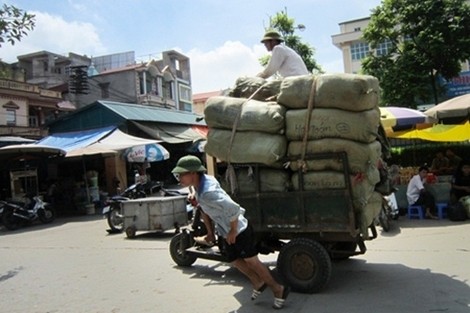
x,y
211,164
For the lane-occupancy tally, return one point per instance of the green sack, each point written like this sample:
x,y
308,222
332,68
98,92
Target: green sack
x,y
221,112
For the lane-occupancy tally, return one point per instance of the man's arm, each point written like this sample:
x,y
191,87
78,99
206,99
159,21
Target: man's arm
x,y
210,237
232,235
274,64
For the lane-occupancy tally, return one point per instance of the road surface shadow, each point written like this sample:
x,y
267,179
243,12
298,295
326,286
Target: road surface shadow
x,y
59,221
355,287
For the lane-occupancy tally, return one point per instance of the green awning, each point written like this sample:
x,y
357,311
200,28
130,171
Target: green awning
x,y
172,133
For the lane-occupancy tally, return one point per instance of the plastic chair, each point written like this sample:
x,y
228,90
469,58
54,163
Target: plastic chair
x,y
441,210
415,211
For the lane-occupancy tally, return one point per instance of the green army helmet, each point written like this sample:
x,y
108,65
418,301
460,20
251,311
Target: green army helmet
x,y
189,163
272,35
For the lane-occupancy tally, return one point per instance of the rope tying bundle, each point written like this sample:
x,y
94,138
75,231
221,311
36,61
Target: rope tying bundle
x,y
311,105
230,176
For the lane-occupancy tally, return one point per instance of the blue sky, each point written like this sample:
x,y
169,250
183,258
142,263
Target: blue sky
x,y
221,37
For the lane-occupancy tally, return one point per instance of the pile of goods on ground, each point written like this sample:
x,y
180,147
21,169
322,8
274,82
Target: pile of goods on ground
x,y
266,122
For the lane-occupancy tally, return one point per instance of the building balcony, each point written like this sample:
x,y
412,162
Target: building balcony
x,y
21,131
28,88
154,100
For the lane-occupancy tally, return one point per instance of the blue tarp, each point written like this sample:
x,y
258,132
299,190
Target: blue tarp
x,y
75,140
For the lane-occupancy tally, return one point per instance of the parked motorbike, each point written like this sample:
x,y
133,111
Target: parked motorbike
x,y
388,212
112,209
16,214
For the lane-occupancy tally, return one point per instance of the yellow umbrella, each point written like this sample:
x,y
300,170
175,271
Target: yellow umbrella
x,y
439,132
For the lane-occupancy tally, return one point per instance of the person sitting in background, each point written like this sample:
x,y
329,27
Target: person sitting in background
x,y
440,164
454,161
417,195
460,186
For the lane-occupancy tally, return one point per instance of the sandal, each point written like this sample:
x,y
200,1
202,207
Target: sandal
x,y
279,302
256,292
203,242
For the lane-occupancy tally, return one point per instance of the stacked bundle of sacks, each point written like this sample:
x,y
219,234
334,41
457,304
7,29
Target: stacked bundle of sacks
x,y
344,116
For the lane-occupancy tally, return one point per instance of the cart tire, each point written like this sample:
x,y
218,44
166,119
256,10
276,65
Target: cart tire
x,y
130,232
304,265
178,244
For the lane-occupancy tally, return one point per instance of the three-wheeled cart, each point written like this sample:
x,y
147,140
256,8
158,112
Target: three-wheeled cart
x,y
308,228
154,214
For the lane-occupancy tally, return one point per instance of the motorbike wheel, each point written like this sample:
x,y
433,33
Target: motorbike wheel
x,y
46,215
384,220
10,221
115,220
178,244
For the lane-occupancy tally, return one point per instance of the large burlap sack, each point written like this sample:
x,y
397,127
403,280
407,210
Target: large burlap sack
x,y
246,86
247,147
361,189
221,112
271,180
362,157
349,92
367,216
333,123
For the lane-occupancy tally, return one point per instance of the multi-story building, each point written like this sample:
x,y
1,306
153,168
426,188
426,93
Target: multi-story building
x,y
38,88
351,44
354,48
48,70
116,77
25,108
163,83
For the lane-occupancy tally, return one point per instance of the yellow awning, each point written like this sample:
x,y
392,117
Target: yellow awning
x,y
439,132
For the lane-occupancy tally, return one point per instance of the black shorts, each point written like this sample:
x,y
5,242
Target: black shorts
x,y
244,246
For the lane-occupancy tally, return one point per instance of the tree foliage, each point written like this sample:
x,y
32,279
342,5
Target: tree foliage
x,y
286,26
14,24
426,39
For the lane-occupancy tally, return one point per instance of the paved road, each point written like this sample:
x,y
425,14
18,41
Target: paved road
x,y
73,265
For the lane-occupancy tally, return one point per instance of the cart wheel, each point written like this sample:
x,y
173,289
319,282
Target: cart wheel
x,y
304,265
130,232
178,244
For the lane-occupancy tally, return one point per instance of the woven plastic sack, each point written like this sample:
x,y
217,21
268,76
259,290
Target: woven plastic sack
x,y
221,112
351,92
362,157
367,216
246,86
271,180
333,123
247,147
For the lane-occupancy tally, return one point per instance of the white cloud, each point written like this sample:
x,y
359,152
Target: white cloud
x,y
54,34
219,68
